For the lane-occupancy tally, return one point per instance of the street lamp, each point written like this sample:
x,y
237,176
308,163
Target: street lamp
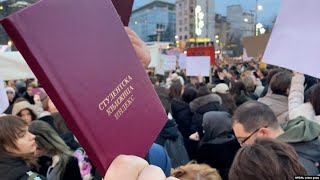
x,y
258,8
246,20
217,36
9,43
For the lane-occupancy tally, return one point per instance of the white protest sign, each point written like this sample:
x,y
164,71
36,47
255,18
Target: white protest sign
x,y
170,62
198,66
13,66
294,42
182,61
4,102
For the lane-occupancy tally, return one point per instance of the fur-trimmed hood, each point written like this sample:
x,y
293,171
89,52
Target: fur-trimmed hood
x,y
19,106
203,100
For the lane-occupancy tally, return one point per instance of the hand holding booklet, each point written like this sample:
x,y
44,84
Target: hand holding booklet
x,y
83,57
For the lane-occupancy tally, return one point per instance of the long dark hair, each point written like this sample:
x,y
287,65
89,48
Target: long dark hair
x,y
175,90
228,102
315,99
49,140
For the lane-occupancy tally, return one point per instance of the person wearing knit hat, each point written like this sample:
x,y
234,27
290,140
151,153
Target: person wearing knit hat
x,y
25,110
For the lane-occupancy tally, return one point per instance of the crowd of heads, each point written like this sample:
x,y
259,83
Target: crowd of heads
x,y
244,122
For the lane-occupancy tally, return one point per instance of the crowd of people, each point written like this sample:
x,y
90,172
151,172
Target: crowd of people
x,y
251,122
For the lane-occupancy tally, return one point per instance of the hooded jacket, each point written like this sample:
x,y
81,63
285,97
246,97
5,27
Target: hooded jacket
x,y
171,139
19,106
15,169
219,145
278,104
200,106
303,135
297,107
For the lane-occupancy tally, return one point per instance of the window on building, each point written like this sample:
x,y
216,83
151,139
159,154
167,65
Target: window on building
x,y
180,22
180,37
186,37
186,28
180,29
191,10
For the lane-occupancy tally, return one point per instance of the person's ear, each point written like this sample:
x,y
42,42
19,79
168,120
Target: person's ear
x,y
265,132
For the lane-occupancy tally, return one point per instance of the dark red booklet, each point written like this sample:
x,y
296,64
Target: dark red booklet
x,y
84,59
124,9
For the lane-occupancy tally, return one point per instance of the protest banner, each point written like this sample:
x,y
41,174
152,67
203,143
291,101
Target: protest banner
x,y
295,38
198,66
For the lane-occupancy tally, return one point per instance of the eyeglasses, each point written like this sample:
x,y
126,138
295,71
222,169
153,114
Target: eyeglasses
x,y
9,92
246,139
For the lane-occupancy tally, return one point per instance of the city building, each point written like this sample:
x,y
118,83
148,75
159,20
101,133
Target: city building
x,y
195,19
6,8
222,27
154,21
241,24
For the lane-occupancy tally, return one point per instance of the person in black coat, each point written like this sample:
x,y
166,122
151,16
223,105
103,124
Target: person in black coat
x,y
205,102
219,146
170,137
181,111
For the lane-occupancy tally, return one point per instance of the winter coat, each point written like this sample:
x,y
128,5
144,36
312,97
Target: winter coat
x,y
297,107
278,104
16,169
182,114
303,136
219,145
200,106
171,139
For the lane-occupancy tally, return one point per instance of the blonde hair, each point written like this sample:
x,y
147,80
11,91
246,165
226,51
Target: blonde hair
x,y
194,171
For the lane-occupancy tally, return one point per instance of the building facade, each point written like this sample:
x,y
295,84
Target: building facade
x,y
155,21
8,7
195,19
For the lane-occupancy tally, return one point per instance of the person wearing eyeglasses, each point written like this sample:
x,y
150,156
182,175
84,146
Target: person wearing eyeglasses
x,y
254,120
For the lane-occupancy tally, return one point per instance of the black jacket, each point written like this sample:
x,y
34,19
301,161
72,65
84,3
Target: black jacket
x,y
218,155
169,131
14,169
200,106
171,139
71,171
181,112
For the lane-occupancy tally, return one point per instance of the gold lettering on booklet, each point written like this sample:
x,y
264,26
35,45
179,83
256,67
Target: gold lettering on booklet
x,y
119,100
